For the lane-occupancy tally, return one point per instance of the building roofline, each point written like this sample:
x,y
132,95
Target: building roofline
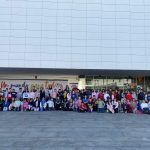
x,y
53,71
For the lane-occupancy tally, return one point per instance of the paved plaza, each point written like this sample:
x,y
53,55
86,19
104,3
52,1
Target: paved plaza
x,y
73,131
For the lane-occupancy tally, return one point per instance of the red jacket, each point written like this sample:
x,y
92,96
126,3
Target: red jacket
x,y
129,97
101,96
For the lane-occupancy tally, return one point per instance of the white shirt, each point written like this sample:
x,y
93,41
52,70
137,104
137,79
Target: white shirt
x,y
144,105
26,95
149,105
6,94
106,95
50,103
116,104
68,96
37,102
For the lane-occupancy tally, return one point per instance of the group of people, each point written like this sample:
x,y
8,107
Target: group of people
x,y
87,100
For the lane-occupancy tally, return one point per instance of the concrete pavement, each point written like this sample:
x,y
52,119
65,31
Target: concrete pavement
x,y
73,131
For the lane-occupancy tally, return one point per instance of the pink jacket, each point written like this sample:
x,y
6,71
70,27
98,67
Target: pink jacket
x,y
25,105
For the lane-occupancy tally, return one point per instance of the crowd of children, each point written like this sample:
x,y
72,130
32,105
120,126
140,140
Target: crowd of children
x,y
48,99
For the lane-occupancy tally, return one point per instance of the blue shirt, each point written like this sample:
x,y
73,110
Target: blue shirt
x,y
73,96
85,100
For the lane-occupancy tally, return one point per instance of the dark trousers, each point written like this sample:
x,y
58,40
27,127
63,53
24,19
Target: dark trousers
x,y
116,110
146,111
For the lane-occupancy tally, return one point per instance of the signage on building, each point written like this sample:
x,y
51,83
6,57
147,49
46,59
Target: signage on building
x,y
32,84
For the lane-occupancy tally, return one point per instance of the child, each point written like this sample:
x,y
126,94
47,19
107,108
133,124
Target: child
x,y
11,106
30,104
101,106
115,105
124,105
134,106
68,96
58,104
50,104
75,105
25,105
5,105
83,108
43,104
95,103
79,101
73,95
139,110
85,100
70,105
17,105
90,105
36,104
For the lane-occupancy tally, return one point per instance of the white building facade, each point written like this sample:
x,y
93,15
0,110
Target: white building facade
x,y
75,34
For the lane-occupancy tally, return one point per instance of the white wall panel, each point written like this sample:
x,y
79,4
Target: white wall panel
x,y
81,34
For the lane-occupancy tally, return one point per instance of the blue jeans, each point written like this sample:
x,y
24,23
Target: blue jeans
x,y
17,109
5,108
101,110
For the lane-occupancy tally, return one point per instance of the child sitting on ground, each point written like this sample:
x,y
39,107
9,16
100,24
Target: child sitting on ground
x,y
83,108
17,105
70,105
5,105
30,104
36,104
43,104
50,104
11,106
25,105
75,105
90,105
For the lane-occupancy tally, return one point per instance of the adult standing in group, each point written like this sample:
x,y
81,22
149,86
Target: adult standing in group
x,y
47,93
54,96
134,95
60,94
118,95
42,93
20,94
141,96
94,94
101,95
106,96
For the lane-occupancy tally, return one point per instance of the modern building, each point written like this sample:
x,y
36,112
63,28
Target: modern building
x,y
95,43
